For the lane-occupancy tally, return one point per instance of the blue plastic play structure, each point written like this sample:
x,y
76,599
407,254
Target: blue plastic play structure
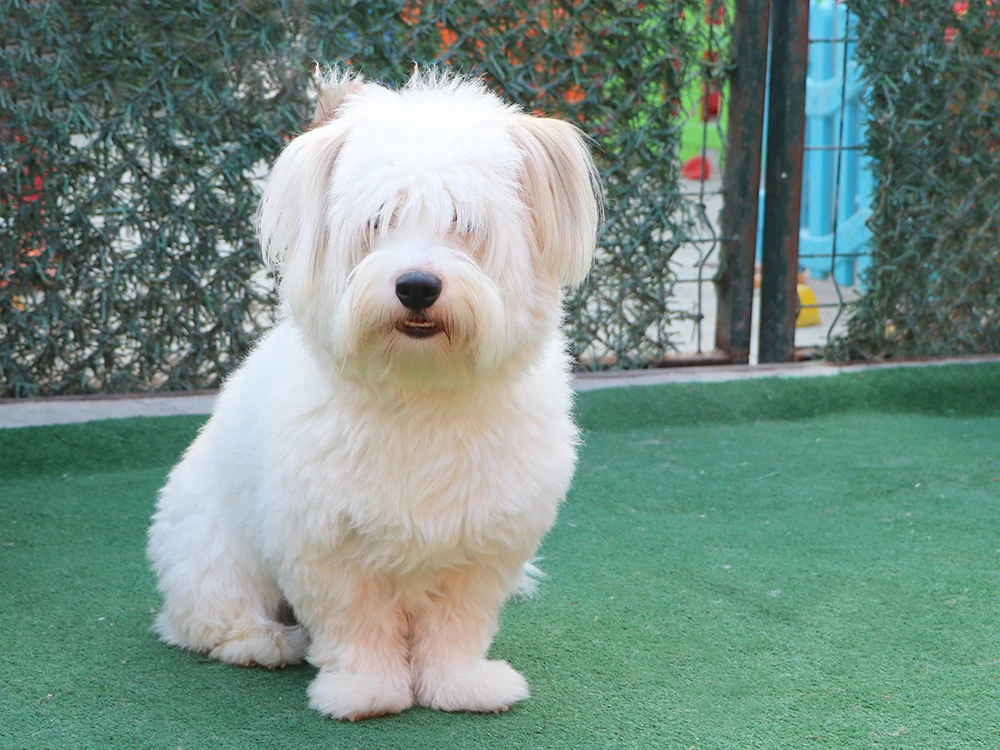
x,y
833,237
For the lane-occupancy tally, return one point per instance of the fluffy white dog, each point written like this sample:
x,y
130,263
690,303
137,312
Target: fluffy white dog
x,y
380,470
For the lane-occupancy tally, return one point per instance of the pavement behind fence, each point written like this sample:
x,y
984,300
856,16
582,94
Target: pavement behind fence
x,y
64,410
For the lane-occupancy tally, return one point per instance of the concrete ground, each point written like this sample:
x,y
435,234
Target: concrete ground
x,y
64,410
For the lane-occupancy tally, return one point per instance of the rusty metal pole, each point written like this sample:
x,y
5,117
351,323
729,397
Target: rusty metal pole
x,y
741,178
783,179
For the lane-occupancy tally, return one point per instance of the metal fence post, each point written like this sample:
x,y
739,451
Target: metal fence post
x,y
783,179
741,178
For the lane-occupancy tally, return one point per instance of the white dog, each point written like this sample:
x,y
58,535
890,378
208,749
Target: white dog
x,y
380,470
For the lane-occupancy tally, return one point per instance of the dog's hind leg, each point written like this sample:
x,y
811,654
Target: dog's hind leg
x,y
219,597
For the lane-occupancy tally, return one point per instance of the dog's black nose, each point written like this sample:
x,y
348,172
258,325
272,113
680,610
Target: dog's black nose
x,y
418,291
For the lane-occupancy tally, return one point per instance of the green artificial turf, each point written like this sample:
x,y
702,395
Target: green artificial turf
x,y
765,564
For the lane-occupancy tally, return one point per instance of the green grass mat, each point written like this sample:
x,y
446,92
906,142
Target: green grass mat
x,y
766,564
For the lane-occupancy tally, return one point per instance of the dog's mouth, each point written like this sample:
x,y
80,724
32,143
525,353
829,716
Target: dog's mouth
x,y
419,327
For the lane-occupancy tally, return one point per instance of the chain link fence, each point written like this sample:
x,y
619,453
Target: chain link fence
x,y
930,70
134,138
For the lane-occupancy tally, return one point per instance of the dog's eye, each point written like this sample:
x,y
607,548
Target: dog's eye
x,y
382,221
460,227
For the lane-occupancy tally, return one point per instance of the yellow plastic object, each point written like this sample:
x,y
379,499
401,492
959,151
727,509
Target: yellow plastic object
x,y
808,316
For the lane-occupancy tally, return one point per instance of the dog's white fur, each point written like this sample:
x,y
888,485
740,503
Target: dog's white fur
x,y
391,490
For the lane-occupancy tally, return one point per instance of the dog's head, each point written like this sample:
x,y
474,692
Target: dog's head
x,y
422,235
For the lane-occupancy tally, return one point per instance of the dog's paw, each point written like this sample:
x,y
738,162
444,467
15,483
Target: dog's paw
x,y
343,695
480,686
267,645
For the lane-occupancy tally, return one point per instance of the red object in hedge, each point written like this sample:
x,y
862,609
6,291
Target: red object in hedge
x,y
720,14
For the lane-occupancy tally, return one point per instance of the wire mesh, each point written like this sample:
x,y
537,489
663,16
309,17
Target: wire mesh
x,y
134,138
836,190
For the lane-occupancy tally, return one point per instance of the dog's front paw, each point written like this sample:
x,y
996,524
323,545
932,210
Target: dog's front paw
x,y
344,695
477,686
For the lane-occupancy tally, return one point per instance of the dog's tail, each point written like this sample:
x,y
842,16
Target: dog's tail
x,y
531,578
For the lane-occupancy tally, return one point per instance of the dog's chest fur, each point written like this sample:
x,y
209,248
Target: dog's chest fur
x,y
430,482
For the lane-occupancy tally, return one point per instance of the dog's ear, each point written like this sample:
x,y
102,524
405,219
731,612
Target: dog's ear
x,y
563,192
334,87
292,220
